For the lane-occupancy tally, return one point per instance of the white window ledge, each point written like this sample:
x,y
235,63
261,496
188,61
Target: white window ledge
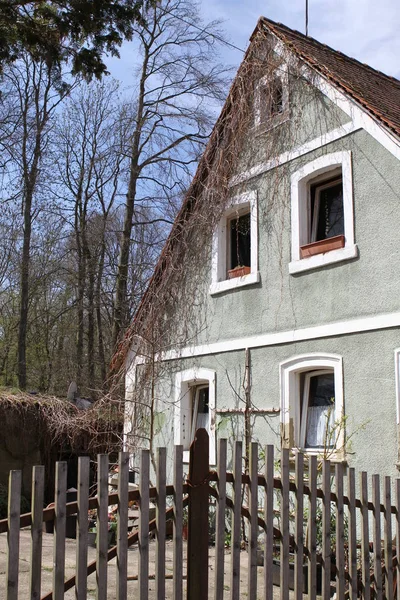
x,y
232,284
321,260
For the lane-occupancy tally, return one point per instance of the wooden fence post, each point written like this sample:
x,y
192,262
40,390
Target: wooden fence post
x,y
197,549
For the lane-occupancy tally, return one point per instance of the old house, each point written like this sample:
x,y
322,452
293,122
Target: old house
x,y
274,310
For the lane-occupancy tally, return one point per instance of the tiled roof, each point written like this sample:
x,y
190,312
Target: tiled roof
x,y
376,92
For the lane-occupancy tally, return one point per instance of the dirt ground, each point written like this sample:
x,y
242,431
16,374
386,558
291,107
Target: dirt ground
x,y
47,568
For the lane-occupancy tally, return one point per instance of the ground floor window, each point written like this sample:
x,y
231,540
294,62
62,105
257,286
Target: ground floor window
x,y
317,428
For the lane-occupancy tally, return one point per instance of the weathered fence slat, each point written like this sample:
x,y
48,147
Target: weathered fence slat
x,y
269,522
340,541
366,580
388,542
299,525
59,530
284,557
326,529
220,521
398,538
376,500
253,525
351,493
312,528
236,516
82,528
122,526
178,522
36,532
14,503
144,524
102,527
161,505
197,553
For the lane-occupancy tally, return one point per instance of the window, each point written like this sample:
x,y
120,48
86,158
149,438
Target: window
x,y
235,246
194,407
272,99
322,213
312,403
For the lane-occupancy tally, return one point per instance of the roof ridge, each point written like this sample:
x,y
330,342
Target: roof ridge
x,y
316,42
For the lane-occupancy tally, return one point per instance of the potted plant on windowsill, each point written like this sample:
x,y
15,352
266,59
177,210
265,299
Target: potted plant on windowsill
x,y
239,271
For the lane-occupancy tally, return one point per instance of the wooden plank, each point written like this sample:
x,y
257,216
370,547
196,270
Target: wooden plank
x,y
102,529
398,538
299,527
377,537
269,522
14,504
178,522
253,525
365,564
82,528
236,517
326,529
220,521
122,526
340,541
36,532
285,515
312,528
144,524
59,530
161,506
197,553
388,540
352,519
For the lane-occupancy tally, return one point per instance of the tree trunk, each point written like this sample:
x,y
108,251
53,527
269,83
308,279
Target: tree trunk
x,y
24,291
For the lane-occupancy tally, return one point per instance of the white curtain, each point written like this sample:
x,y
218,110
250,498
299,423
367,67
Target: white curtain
x,y
202,421
318,419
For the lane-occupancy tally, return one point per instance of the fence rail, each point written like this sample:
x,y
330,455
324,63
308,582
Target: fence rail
x,y
306,527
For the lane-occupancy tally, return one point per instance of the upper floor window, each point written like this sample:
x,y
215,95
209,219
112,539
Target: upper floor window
x,y
272,99
235,245
322,212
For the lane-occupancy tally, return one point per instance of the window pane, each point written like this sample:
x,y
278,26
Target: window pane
x,y
202,410
321,412
330,214
240,242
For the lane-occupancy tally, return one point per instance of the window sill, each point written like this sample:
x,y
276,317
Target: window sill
x,y
232,284
321,260
334,456
322,246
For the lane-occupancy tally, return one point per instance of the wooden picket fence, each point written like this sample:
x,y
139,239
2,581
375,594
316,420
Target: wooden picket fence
x,y
301,523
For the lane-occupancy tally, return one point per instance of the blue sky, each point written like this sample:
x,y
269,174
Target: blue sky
x,y
367,30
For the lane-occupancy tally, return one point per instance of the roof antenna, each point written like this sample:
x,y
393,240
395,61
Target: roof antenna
x,y
307,18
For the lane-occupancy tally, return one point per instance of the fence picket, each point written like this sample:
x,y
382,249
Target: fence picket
x,y
122,526
82,528
144,525
351,492
161,506
365,566
299,523
376,501
340,542
326,529
312,528
269,522
14,504
388,542
178,522
253,525
59,530
102,527
220,522
284,555
236,517
36,532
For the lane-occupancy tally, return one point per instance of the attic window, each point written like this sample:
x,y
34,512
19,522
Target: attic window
x,y
272,99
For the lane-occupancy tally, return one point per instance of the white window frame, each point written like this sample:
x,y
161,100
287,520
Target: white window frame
x,y
300,205
290,372
219,281
265,124
184,380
